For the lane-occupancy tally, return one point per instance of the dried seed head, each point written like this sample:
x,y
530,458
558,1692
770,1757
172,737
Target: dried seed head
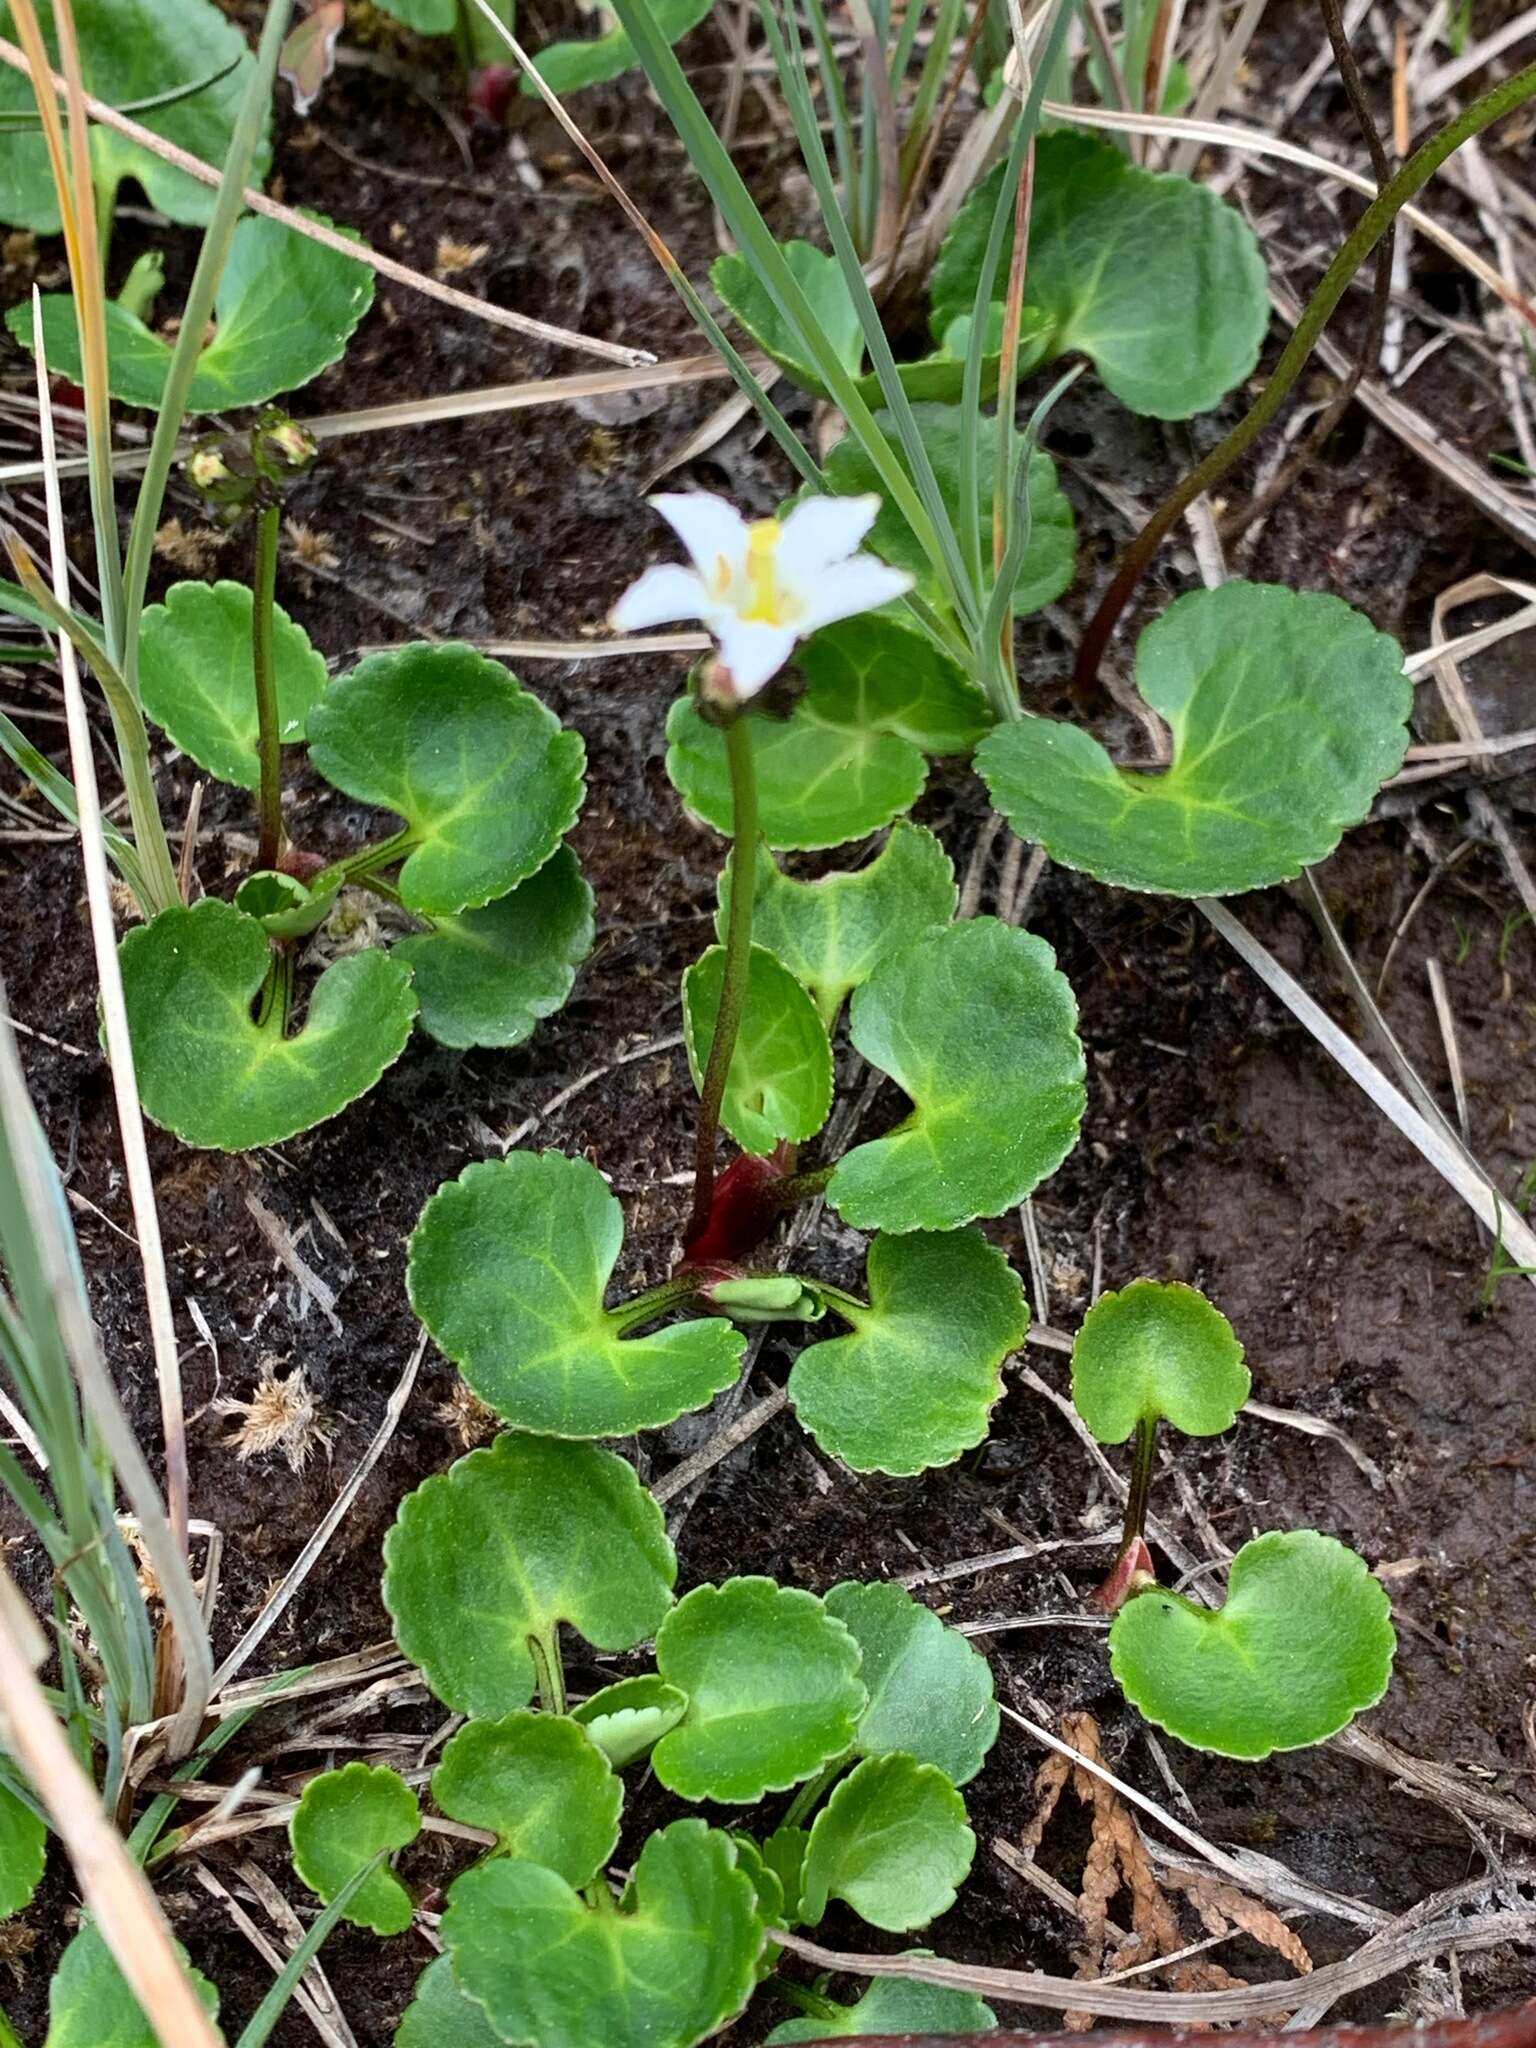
x,y
280,1415
470,1419
309,546
454,258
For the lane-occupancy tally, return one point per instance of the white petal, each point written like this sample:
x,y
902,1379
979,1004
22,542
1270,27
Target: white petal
x,y
857,586
752,653
710,528
821,533
666,592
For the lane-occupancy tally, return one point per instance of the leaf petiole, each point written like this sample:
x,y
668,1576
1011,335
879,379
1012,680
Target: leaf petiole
x,y
653,1303
549,1671
268,739
738,962
277,994
814,1790
383,853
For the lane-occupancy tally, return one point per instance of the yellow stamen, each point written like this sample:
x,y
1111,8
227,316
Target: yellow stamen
x,y
765,600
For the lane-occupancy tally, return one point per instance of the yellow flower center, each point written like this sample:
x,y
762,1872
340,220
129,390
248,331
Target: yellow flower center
x,y
766,601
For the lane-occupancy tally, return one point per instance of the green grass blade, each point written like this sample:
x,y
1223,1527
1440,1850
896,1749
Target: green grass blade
x,y
273,2006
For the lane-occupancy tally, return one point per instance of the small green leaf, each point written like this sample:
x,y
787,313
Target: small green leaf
x,y
1303,1644
892,1842
821,278
572,66
487,977
626,1718
1046,569
197,681
889,2006
669,1965
508,1268
542,1787
482,773
286,309
23,1853
1153,1351
784,1854
773,1690
770,1893
780,1082
930,1692
915,1383
135,50
91,2006
979,1026
344,1819
507,1544
209,1072
849,757
281,904
1155,278
833,933
1287,710
443,2016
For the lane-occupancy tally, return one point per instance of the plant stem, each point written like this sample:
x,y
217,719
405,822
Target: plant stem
x,y
277,993
1367,232
549,1672
1143,1461
795,1188
268,740
382,853
738,963
798,1995
811,1791
645,1308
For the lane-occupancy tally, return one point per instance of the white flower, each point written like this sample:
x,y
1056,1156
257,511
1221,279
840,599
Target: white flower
x,y
762,586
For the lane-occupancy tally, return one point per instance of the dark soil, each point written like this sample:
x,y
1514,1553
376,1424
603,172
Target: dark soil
x,y
1220,1148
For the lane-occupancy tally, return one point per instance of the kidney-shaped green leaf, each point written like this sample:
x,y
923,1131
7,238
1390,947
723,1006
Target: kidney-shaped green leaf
x,y
915,1382
344,1819
849,756
482,773
889,2006
508,1267
488,976
1046,569
135,50
442,2015
1288,711
780,1081
892,1842
209,1072
197,681
543,1788
668,1966
1155,278
1303,1643
1155,1351
572,66
91,2006
626,1718
930,1692
833,933
979,1026
23,1852
286,309
773,1690
508,1543
820,277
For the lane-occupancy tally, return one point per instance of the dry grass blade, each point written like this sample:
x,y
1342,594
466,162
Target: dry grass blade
x,y
344,245
272,1956
116,1890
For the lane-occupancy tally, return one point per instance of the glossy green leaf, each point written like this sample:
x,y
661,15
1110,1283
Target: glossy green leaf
x,y
979,1026
669,1965
344,1819
833,933
626,1718
915,1382
488,976
930,1692
508,1268
134,50
773,1690
1154,1351
1046,569
780,1081
23,1853
890,2006
892,1842
540,1785
850,756
209,1072
1303,1643
572,66
281,904
766,1298
1287,712
443,2016
197,681
821,278
784,1854
482,773
507,1544
1156,279
285,310
91,2006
